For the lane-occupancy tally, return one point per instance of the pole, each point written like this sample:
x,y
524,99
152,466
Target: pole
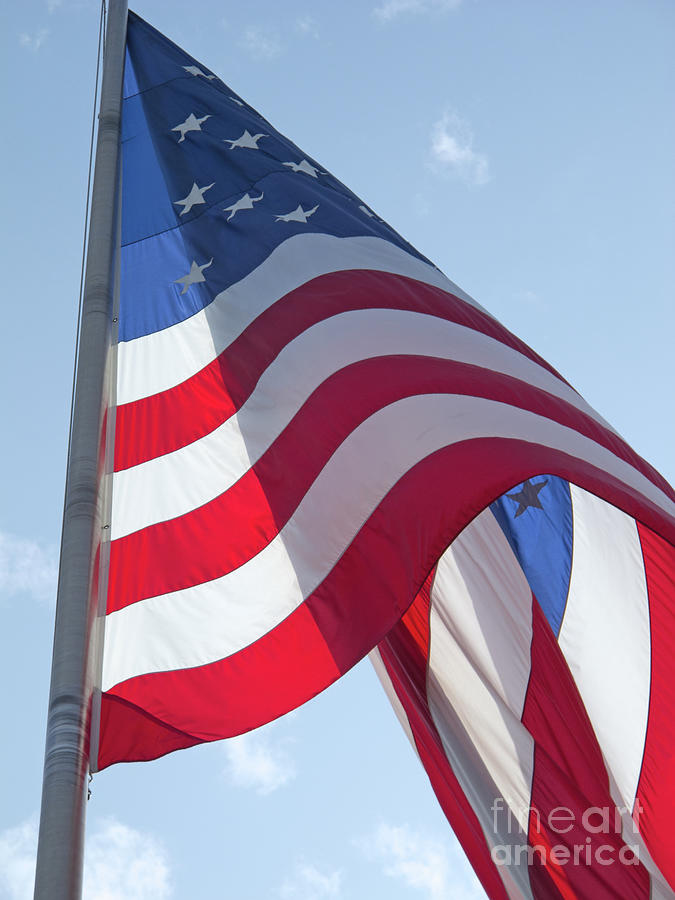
x,y
61,837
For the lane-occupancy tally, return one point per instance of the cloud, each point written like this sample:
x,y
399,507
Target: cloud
x,y
422,863
452,151
254,761
27,567
120,863
124,864
261,43
53,5
35,41
17,860
307,26
529,298
391,8
308,883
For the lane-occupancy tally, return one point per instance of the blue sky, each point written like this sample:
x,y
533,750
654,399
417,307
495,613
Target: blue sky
x,y
527,149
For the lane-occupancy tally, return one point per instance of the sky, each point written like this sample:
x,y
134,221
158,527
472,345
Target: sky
x,y
527,149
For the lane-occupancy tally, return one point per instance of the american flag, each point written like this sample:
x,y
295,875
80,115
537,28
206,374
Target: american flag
x,y
314,429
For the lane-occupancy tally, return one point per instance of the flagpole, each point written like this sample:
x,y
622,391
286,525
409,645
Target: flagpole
x,y
61,837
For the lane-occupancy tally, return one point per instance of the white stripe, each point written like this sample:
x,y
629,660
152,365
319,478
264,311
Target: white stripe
x,y
605,634
163,359
209,466
659,890
381,671
479,669
205,623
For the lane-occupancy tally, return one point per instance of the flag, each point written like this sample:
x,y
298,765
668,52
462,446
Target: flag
x,y
533,676
314,429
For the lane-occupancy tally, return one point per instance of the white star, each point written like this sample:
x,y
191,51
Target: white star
x,y
246,202
194,276
247,140
195,70
364,209
305,167
238,102
298,215
192,123
195,196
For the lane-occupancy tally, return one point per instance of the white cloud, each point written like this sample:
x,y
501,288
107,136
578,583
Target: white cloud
x,y
35,41
528,297
255,761
124,864
392,8
53,5
452,151
261,43
120,864
27,567
422,863
307,26
17,861
308,883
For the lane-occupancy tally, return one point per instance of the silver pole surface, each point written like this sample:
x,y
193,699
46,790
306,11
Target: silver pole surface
x,y
61,838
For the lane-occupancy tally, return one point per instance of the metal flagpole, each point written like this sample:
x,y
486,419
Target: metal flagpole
x,y
61,837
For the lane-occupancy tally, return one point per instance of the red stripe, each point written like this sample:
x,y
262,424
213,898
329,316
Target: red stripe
x,y
164,422
130,733
570,780
149,716
655,803
224,533
405,652
389,559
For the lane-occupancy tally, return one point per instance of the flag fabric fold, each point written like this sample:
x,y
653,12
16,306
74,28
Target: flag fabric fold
x,y
315,429
541,721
